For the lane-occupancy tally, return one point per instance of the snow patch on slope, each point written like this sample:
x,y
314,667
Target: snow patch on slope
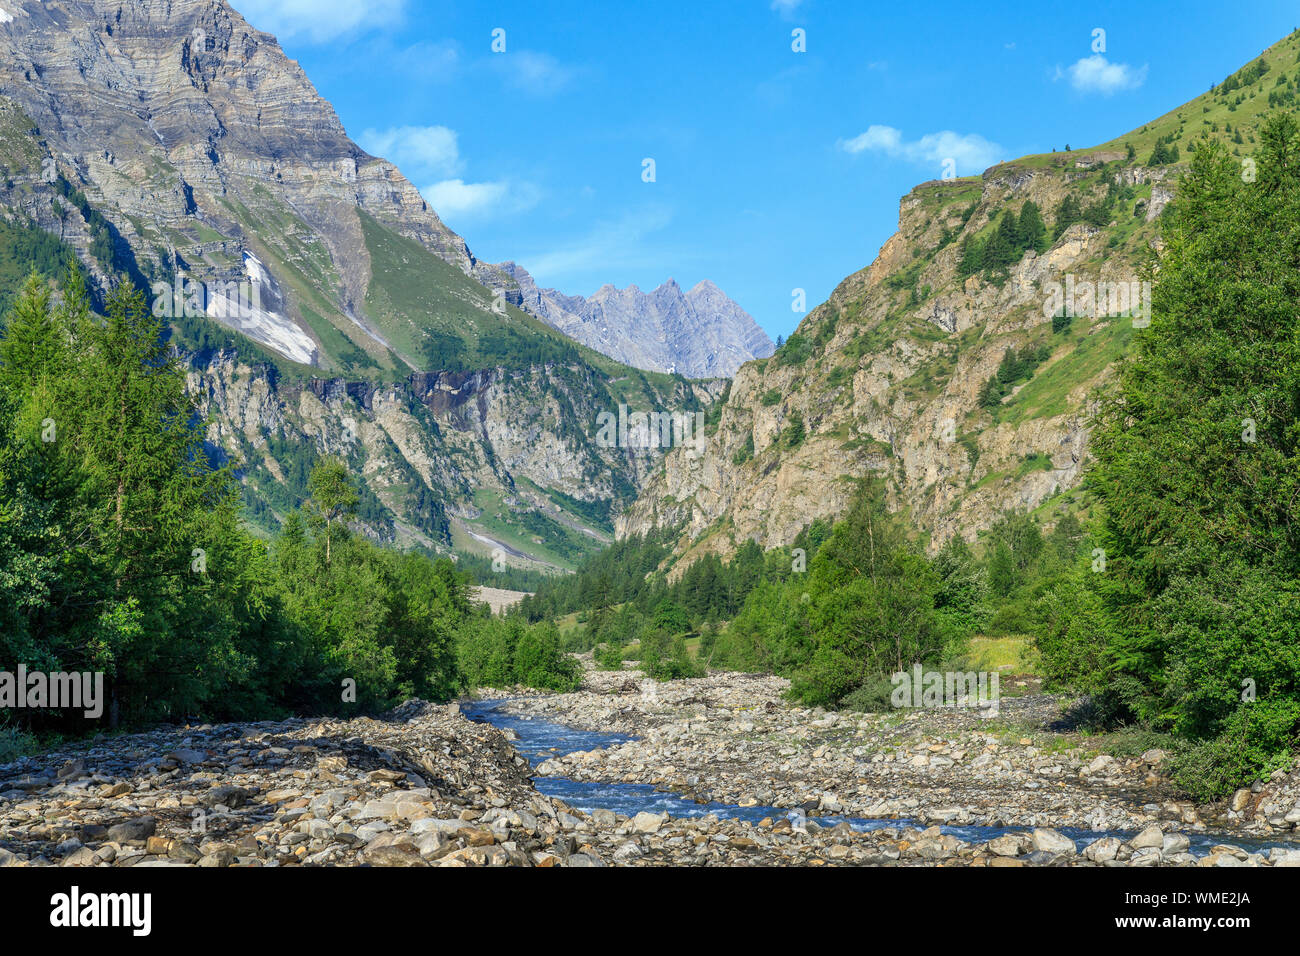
x,y
252,311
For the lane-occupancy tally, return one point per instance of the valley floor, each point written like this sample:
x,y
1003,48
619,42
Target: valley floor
x,y
427,786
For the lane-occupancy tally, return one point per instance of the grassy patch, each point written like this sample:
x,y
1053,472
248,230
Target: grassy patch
x,y
1044,396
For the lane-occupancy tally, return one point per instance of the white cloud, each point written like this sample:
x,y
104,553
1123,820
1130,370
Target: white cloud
x,y
882,138
970,152
319,20
419,151
537,74
456,199
1096,74
432,153
786,8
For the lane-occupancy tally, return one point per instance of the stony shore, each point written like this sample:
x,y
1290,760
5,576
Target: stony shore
x,y
426,787
733,738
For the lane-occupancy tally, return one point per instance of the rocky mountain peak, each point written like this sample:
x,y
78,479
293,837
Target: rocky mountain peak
x,y
700,334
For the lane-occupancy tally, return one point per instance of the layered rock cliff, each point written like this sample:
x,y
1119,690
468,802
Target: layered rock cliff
x,y
963,364
203,143
493,460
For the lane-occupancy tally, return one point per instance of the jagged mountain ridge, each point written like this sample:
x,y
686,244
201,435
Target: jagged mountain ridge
x,y
700,333
184,118
890,376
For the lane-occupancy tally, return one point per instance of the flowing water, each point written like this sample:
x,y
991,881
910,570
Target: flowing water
x,y
540,740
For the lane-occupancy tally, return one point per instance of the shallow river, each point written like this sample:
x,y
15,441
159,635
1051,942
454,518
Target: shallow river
x,y
540,740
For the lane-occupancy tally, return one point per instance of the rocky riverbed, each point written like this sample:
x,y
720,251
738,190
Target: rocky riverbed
x,y
732,738
425,786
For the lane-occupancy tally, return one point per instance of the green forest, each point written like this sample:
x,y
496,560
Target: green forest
x,y
123,549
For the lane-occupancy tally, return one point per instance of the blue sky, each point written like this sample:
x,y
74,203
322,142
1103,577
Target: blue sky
x,y
774,169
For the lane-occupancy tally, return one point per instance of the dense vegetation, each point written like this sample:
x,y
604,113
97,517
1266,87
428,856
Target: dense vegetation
x,y
1194,626
1010,239
122,550
822,611
1015,367
627,610
505,652
869,604
25,246
1015,234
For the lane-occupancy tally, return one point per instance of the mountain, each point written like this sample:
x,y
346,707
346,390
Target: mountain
x,y
212,155
700,334
950,365
322,305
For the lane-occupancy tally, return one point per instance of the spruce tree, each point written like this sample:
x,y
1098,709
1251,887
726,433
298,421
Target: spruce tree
x,y
1198,472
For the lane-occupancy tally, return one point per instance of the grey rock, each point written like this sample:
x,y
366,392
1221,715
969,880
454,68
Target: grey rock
x,y
1044,858
648,822
1011,844
72,769
1174,843
225,796
1151,836
1103,850
132,830
1051,841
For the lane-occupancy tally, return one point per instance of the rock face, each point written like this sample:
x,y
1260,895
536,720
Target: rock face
x,y
202,142
886,376
700,334
211,154
439,449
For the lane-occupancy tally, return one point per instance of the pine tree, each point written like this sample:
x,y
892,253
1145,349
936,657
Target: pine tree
x,y
972,256
35,346
1199,598
1032,229
1067,213
1000,248
333,497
